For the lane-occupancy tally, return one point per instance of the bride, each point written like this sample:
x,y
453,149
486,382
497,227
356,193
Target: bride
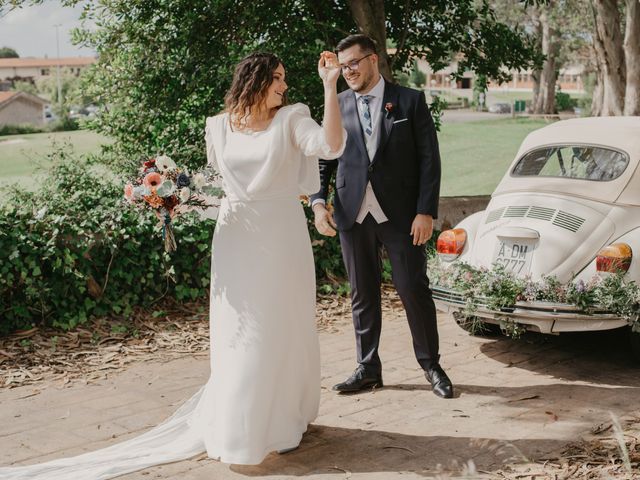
x,y
264,387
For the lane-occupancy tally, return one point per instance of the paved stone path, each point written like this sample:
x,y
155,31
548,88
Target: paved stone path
x,y
514,399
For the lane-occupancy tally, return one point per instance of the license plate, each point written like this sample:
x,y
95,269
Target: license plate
x,y
514,255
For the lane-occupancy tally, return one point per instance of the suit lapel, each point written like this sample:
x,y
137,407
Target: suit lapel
x,y
351,120
386,119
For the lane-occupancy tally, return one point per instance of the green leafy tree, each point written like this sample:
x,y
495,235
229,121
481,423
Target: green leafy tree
x,y
25,86
8,52
165,65
72,89
561,29
480,91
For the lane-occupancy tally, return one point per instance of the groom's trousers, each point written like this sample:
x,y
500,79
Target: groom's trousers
x,y
362,253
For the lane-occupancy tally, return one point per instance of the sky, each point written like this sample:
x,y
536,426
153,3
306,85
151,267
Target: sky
x,y
30,30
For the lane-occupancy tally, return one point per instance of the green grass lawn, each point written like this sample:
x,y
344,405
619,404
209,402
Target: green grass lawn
x,y
494,96
507,96
476,155
21,156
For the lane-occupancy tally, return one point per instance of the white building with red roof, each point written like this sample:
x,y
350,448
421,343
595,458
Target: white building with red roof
x,y
36,68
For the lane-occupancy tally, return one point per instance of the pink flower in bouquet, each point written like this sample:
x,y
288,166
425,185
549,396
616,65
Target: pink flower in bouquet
x,y
128,192
152,180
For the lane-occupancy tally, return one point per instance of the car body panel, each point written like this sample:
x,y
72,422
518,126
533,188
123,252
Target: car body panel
x,y
563,223
631,238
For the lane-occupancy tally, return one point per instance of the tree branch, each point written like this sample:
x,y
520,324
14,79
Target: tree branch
x,y
405,34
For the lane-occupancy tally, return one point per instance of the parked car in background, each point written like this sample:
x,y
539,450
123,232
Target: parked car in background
x,y
86,112
500,107
567,208
49,116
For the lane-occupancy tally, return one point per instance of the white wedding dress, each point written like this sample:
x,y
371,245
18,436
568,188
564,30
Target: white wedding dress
x,y
264,387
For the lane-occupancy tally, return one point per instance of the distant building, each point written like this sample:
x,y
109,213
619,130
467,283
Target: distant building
x,y
36,68
18,108
570,80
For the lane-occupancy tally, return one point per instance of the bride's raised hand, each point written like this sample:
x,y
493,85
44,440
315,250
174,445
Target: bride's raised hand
x,y
328,67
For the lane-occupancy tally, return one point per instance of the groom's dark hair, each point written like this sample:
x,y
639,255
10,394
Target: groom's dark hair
x,y
367,44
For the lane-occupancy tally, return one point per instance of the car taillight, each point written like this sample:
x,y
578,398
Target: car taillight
x,y
450,244
614,258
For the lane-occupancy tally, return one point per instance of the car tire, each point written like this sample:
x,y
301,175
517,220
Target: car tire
x,y
634,340
475,326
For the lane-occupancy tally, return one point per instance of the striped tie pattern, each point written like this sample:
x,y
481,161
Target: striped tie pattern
x,y
365,114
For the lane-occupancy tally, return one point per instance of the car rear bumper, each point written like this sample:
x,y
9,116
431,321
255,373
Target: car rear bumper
x,y
543,317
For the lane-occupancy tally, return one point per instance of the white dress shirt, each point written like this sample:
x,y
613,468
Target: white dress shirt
x,y
370,203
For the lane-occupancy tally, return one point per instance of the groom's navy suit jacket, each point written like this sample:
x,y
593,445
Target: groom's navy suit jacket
x,y
405,171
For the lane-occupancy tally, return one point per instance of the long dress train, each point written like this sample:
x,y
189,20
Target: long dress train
x,y
264,387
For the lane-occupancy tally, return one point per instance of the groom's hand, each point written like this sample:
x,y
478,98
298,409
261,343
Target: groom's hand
x,y
324,220
422,229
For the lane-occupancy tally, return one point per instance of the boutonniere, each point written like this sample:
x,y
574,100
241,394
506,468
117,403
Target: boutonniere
x,y
389,108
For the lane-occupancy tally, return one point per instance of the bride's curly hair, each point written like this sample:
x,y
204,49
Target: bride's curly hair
x,y
252,77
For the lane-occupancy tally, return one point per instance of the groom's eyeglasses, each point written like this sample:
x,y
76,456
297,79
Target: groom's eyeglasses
x,y
353,65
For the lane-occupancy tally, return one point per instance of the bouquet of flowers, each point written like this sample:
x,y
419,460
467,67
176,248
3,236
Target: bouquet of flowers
x,y
163,186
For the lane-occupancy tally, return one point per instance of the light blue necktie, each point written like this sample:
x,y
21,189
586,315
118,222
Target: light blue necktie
x,y
365,114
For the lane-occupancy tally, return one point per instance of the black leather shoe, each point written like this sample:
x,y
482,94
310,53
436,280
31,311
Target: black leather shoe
x,y
359,380
440,383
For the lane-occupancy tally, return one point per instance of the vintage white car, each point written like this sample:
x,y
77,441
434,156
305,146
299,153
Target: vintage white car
x,y
569,208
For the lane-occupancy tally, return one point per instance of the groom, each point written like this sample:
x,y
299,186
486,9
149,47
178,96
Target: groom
x,y
386,194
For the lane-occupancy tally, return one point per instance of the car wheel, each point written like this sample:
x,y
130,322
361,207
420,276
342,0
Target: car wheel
x,y
634,340
475,326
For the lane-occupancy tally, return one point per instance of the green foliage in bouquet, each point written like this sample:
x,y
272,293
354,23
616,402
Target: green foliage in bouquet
x,y
72,250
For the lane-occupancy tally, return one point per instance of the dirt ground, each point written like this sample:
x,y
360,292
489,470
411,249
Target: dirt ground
x,y
535,408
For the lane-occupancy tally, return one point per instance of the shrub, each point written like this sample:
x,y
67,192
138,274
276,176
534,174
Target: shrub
x,y
73,250
64,124
565,102
19,129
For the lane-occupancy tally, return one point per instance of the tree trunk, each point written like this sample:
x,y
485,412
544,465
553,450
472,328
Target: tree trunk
x,y
535,74
546,98
597,102
608,41
632,56
369,17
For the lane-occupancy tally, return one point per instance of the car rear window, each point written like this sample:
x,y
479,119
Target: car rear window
x,y
572,161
